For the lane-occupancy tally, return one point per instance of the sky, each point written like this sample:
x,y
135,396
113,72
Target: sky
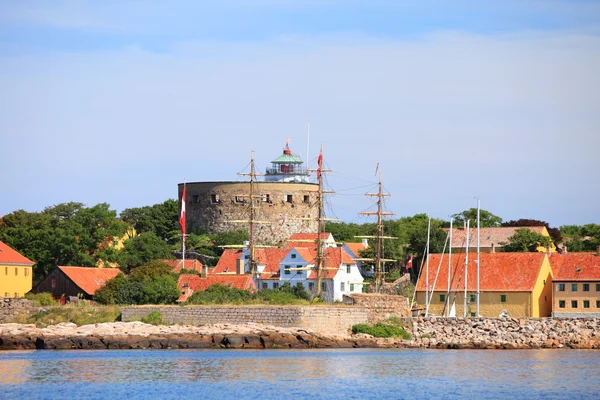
x,y
119,101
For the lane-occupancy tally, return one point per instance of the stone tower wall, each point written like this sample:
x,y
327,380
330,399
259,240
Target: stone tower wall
x,y
213,206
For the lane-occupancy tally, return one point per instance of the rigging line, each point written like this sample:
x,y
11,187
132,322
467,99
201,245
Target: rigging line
x,y
342,175
357,187
439,266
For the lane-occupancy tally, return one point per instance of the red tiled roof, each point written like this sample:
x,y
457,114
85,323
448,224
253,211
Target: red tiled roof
x,y
10,256
488,236
575,266
190,265
306,239
507,272
90,279
270,258
190,283
227,261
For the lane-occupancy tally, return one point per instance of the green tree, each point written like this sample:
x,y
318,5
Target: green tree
x,y
142,249
161,219
581,238
64,234
152,283
525,240
486,218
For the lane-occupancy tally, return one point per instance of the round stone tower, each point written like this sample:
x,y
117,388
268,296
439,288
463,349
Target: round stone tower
x,y
284,203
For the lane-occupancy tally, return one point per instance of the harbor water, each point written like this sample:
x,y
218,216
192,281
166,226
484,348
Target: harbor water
x,y
299,374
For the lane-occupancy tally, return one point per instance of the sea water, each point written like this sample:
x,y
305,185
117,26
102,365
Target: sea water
x,y
299,374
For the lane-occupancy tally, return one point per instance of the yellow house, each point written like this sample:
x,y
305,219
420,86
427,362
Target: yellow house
x,y
491,239
116,243
576,290
518,285
16,274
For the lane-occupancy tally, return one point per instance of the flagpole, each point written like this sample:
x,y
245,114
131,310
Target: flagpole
x,y
182,223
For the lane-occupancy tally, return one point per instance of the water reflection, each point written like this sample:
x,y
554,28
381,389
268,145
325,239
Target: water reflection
x,y
543,373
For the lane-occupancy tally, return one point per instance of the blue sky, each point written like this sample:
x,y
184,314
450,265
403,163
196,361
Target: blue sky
x,y
118,101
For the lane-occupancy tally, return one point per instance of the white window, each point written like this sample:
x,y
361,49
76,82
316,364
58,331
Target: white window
x,y
287,269
348,268
342,286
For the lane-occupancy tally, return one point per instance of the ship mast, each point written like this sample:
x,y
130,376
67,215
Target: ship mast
x,y
252,215
379,260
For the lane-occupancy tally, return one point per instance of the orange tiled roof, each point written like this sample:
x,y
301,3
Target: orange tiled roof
x,y
575,266
10,256
507,272
190,283
356,248
190,265
90,279
488,236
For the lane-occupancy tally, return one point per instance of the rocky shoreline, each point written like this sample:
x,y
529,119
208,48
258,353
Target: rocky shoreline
x,y
433,333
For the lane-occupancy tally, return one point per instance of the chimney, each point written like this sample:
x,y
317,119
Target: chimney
x,y
493,250
565,249
548,252
365,242
204,271
239,266
598,251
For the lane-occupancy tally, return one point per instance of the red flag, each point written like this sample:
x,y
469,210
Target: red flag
x,y
409,264
320,164
182,215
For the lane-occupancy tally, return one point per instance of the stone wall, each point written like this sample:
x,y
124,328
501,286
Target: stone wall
x,y
380,306
505,333
213,206
320,319
11,309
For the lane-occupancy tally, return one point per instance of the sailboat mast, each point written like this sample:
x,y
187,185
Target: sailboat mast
x,y
379,273
251,221
427,270
478,259
319,261
449,266
466,270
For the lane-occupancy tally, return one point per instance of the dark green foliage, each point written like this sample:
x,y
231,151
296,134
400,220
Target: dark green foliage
x,y
152,283
65,234
343,232
142,249
581,238
525,240
107,293
41,299
161,219
486,218
381,331
220,294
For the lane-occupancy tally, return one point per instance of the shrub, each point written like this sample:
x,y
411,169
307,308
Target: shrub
x,y
41,299
154,318
82,314
381,331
